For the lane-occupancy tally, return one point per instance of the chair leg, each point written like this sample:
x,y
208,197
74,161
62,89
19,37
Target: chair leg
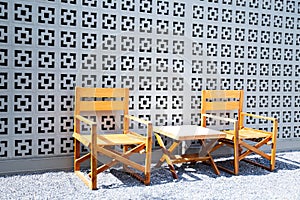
x,y
93,183
76,155
236,158
147,175
125,149
273,155
148,162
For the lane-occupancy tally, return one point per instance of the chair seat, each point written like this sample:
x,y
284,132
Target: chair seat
x,y
111,139
247,133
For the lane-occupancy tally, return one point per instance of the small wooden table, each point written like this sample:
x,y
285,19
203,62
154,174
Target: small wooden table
x,y
182,133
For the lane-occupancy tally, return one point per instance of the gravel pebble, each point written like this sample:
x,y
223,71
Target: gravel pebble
x,y
195,182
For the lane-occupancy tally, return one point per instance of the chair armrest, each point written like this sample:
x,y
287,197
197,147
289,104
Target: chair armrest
x,y
235,124
259,116
85,120
93,130
138,120
220,118
147,123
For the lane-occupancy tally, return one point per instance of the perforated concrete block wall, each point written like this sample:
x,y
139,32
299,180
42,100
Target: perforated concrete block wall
x,y
165,51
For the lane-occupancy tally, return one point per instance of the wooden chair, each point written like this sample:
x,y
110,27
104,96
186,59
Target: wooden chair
x,y
244,140
116,100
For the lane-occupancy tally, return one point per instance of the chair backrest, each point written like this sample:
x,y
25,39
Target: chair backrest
x,y
101,99
222,100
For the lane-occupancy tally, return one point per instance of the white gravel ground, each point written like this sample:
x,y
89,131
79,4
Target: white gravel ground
x,y
195,182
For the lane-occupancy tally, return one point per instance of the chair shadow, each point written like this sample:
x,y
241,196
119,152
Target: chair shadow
x,y
198,172
247,169
162,175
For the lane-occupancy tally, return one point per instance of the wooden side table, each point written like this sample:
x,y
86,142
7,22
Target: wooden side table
x,y
183,133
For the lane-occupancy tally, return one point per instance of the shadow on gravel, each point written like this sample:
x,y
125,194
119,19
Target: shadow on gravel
x,y
246,169
158,176
290,161
200,171
117,178
163,175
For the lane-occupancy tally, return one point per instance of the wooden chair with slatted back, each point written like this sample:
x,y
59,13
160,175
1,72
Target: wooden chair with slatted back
x,y
116,100
244,140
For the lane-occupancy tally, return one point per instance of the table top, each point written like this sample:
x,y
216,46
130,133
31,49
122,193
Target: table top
x,y
188,132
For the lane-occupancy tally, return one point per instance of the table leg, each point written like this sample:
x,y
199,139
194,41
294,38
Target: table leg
x,y
213,164
205,150
167,154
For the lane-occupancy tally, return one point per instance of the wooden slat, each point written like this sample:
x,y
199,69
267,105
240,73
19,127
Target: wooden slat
x,y
259,116
221,93
83,119
84,139
83,178
101,105
110,139
118,139
180,159
83,158
120,158
257,145
136,135
220,118
229,105
114,161
261,133
138,119
255,150
250,133
102,92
